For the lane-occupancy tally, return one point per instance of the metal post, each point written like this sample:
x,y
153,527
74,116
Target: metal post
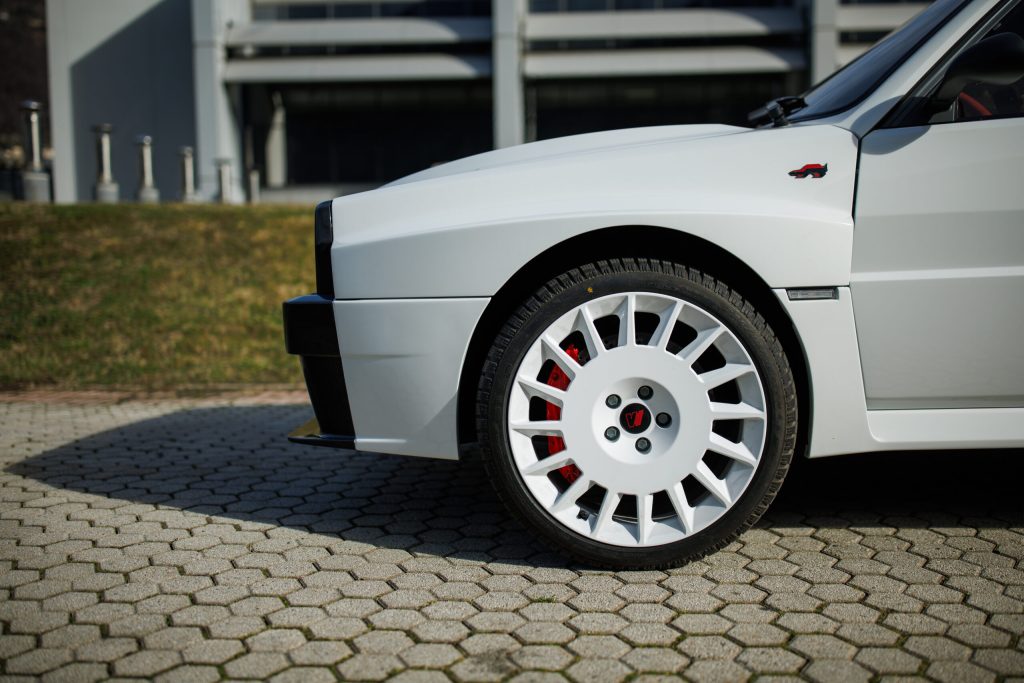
x,y
277,144
148,194
254,186
224,180
188,177
107,191
507,57
34,178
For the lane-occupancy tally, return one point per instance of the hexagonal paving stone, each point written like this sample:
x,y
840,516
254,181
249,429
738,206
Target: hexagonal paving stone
x,y
658,659
822,647
276,640
709,647
547,657
489,643
370,667
495,622
834,670
710,670
640,634
598,671
382,642
959,672
547,611
599,646
440,631
430,655
598,623
173,638
541,632
146,664
305,674
702,624
888,660
215,651
762,660
758,634
1003,662
38,661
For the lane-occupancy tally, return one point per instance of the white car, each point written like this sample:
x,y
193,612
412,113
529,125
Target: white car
x,y
638,329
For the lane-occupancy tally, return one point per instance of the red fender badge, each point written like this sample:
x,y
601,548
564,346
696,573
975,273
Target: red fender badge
x,y
810,171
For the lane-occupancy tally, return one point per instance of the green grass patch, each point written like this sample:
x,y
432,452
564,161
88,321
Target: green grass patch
x,y
149,297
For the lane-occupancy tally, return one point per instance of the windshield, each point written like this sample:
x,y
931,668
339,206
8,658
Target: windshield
x,y
856,80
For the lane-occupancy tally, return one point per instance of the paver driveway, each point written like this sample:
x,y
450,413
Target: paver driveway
x,y
186,540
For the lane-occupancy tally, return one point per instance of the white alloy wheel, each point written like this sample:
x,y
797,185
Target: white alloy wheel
x,y
637,413
632,456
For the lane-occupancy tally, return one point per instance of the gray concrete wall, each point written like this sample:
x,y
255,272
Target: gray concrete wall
x,y
125,62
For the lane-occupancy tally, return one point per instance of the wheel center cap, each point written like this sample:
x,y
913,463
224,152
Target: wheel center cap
x,y
635,418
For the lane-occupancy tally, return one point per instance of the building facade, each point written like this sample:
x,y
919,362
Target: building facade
x,y
323,98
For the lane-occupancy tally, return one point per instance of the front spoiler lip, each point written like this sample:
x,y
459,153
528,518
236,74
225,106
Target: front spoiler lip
x,y
309,434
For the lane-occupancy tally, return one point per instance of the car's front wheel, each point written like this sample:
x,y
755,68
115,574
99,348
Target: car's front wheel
x,y
637,413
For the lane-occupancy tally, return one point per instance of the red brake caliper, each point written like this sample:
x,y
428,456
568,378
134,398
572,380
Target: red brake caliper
x,y
560,380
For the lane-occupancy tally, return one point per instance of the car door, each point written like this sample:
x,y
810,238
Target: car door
x,y
938,264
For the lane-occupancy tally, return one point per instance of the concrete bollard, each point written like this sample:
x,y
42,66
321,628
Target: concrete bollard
x,y
148,194
107,191
224,180
188,176
254,186
34,179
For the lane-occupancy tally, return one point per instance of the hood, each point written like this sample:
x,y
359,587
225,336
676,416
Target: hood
x,y
572,145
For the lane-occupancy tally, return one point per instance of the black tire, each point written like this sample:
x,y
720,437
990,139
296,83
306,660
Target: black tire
x,y
602,278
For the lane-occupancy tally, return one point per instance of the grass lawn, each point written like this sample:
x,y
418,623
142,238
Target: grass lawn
x,y
149,297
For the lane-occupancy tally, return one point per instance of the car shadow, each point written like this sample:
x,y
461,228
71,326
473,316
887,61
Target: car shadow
x,y
234,462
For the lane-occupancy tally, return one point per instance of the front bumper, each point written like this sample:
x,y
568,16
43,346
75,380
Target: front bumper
x,y
310,334
395,390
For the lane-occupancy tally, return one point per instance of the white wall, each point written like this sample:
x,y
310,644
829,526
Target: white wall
x,y
125,62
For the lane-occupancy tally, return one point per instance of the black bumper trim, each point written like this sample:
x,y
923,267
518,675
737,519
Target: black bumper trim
x,y
309,327
310,333
323,240
309,434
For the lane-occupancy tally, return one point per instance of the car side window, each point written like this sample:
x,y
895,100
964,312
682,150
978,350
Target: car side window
x,y
985,80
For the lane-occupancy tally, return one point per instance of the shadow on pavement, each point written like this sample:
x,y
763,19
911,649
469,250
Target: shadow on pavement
x,y
234,462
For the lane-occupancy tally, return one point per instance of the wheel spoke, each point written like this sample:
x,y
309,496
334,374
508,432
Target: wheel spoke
x,y
703,341
684,510
666,325
715,486
538,428
726,373
608,505
736,451
627,321
556,353
644,517
549,464
585,324
545,392
735,411
567,499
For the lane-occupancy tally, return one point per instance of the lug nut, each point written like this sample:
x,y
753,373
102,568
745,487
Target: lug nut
x,y
663,419
643,445
645,392
613,401
612,434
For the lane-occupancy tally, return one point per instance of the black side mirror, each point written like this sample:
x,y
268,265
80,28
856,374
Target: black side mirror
x,y
997,60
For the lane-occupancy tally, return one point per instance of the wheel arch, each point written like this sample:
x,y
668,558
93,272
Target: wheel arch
x,y
638,241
